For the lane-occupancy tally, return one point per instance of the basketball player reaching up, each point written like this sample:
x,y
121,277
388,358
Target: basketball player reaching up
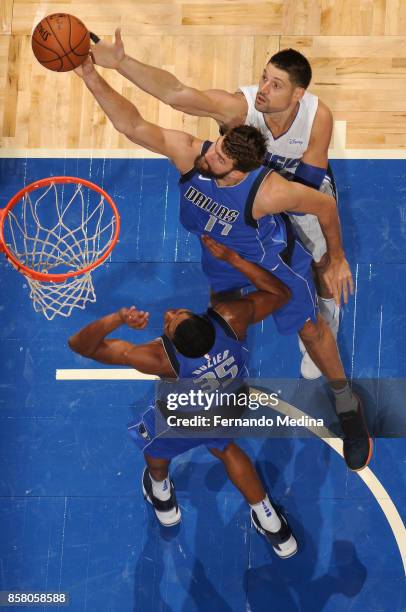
x,y
191,343
297,127
225,191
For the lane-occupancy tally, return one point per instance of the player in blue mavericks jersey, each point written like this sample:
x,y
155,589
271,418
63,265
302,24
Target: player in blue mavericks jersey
x,y
215,179
295,123
209,347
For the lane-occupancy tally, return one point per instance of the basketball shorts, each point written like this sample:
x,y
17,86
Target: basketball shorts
x,y
144,433
297,275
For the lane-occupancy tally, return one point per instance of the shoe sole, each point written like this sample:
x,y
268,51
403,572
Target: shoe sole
x,y
148,499
370,441
262,532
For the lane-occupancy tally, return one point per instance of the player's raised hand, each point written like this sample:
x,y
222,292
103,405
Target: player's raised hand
x,y
339,280
218,250
108,55
136,319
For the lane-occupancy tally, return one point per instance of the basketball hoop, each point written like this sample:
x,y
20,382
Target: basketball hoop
x,y
56,231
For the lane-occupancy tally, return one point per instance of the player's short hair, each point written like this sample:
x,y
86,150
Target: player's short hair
x,y
295,64
194,336
246,146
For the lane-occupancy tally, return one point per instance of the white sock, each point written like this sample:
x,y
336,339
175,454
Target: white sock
x,y
345,400
267,515
161,488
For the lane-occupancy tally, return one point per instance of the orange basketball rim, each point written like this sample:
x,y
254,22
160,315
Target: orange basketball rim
x,y
55,231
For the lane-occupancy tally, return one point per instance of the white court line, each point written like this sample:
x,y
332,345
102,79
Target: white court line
x,y
103,374
374,485
144,154
372,482
338,150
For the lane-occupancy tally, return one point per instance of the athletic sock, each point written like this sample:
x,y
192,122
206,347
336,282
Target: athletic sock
x,y
267,516
161,488
345,400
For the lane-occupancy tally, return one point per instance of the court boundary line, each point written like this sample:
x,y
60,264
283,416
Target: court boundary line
x,y
144,154
338,150
377,489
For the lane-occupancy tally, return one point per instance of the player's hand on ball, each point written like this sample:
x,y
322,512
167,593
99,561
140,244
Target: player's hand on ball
x,y
338,278
136,319
219,250
109,55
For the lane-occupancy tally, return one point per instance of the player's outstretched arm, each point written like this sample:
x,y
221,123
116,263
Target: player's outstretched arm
x,y
180,147
279,195
91,342
216,103
271,293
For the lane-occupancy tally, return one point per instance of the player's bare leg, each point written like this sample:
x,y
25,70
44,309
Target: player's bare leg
x,y
241,472
329,311
322,348
267,520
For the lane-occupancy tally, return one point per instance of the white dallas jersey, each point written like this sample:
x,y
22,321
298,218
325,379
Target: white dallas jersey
x,y
285,151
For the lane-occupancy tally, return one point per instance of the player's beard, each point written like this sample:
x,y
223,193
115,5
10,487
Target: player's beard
x,y
205,171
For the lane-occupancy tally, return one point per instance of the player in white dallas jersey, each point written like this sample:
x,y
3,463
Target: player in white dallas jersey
x,y
296,124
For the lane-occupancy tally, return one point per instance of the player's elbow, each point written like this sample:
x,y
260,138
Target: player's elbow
x,y
124,127
128,121
173,95
75,346
284,295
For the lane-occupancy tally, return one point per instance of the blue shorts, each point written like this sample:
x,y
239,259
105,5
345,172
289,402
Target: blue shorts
x,y
143,432
302,306
298,276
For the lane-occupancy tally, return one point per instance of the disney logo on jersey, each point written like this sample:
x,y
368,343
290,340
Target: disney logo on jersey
x,y
295,141
206,203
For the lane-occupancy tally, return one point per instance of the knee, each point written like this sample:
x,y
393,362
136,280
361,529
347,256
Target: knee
x,y
312,332
224,454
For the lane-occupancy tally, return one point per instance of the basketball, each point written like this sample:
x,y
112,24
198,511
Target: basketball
x,y
60,42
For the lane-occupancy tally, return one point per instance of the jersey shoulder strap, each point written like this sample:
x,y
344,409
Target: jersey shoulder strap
x,y
249,219
170,353
190,173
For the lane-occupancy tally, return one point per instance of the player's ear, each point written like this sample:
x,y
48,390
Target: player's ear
x,y
298,93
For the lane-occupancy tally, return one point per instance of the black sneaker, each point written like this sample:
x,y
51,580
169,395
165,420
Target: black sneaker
x,y
283,541
358,444
167,512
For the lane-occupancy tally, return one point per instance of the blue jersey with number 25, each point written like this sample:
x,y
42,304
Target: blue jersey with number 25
x,y
224,365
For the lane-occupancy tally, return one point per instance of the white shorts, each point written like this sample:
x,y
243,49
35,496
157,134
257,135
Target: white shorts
x,y
308,227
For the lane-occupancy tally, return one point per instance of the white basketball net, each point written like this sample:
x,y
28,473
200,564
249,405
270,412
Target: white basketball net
x,y
56,229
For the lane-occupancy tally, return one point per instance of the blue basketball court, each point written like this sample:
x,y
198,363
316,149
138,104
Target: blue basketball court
x,y
72,516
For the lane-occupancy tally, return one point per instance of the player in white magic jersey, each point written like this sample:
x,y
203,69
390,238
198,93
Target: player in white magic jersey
x,y
296,124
